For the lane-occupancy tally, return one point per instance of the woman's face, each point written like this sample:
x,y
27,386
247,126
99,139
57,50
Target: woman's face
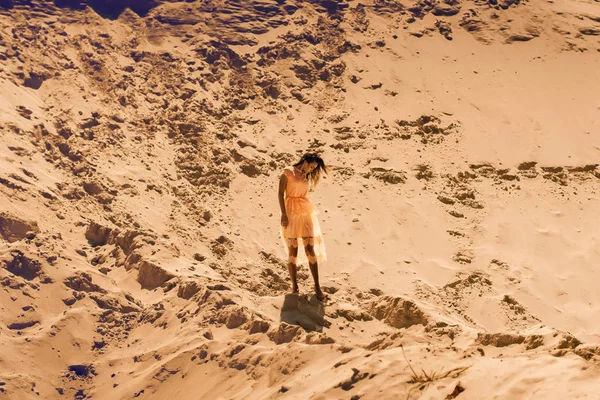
x,y
309,166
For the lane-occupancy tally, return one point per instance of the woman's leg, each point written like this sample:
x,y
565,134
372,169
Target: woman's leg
x,y
292,260
309,249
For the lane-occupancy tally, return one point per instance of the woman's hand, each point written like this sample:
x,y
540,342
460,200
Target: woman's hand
x,y
284,220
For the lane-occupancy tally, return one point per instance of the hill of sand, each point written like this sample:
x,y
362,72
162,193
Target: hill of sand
x,y
141,143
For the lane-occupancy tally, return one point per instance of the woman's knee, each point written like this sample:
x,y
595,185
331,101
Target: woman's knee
x,y
309,249
292,244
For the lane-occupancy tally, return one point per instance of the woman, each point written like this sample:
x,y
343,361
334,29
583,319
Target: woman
x,y
298,217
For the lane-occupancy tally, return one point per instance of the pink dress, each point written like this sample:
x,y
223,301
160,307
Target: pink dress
x,y
302,217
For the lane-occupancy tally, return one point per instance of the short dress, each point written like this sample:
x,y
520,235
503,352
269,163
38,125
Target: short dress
x,y
302,218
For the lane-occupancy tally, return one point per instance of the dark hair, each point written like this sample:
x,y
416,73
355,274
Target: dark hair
x,y
315,174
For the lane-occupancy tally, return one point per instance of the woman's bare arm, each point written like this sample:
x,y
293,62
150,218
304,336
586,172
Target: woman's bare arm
x,y
282,186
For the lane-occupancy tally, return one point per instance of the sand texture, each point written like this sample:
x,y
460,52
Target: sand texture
x,y
141,143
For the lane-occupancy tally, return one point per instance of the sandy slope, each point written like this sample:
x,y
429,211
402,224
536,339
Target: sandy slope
x,y
139,157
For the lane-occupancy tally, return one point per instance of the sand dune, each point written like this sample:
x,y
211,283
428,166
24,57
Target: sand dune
x,y
140,147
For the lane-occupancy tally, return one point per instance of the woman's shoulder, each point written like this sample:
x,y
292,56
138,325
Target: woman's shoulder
x,y
288,171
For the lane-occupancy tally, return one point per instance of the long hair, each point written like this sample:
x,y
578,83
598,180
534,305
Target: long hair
x,y
315,174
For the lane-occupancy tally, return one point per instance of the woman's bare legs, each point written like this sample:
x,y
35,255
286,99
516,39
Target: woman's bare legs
x,y
292,260
309,249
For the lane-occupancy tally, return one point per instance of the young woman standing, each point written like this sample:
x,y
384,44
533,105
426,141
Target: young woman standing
x,y
298,217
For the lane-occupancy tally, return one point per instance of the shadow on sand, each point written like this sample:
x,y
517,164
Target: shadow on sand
x,y
308,313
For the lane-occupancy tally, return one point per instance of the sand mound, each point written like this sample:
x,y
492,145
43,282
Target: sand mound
x,y
151,275
13,228
141,143
398,312
25,267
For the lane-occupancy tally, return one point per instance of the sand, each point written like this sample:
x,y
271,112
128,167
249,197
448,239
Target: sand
x,y
140,150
